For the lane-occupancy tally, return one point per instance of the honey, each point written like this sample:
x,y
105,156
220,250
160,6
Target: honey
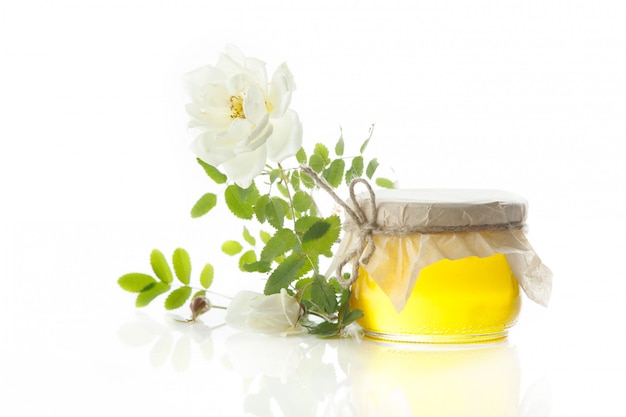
x,y
453,301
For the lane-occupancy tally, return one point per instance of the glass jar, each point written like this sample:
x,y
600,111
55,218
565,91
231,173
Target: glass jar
x,y
440,266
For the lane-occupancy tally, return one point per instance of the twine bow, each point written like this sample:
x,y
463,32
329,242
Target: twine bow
x,y
365,226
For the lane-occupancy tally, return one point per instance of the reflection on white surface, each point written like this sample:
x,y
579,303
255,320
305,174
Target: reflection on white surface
x,y
290,376
307,376
170,340
414,381
538,400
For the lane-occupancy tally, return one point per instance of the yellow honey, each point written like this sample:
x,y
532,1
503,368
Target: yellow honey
x,y
453,301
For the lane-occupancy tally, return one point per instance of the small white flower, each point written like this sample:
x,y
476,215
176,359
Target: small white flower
x,y
239,118
270,314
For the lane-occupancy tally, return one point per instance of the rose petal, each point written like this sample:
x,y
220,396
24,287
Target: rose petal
x,y
208,149
239,131
195,81
254,105
243,167
286,139
232,61
214,96
215,119
290,307
238,84
257,136
239,309
280,91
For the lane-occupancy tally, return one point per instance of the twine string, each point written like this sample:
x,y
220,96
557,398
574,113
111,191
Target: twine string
x,y
365,227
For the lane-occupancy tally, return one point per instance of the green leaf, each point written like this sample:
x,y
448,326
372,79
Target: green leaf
x,y
316,231
274,175
145,297
282,242
177,298
325,329
356,169
272,210
203,205
260,206
206,276
345,294
319,238
199,293
283,189
351,316
385,183
334,173
160,266
317,163
302,201
275,211
231,247
336,285
295,180
213,172
182,265
367,141
371,168
307,181
135,281
303,282
301,156
257,266
284,274
322,151
248,258
248,237
323,295
241,201
339,146
265,236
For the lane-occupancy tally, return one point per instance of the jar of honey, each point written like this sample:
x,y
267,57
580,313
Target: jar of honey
x,y
440,265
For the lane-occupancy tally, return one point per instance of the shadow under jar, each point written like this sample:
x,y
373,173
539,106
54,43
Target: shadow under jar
x,y
440,265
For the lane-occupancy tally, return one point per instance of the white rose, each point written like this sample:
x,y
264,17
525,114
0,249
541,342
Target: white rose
x,y
270,314
239,118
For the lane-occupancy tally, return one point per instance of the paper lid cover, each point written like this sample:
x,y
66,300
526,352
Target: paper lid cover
x,y
438,207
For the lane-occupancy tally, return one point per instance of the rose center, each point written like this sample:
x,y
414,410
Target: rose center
x,y
236,107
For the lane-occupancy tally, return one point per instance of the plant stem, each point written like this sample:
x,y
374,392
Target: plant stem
x,y
325,317
293,215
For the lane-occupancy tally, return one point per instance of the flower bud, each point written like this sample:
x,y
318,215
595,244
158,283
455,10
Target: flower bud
x,y
199,305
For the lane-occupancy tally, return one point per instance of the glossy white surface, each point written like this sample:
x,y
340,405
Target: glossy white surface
x,y
72,341
95,173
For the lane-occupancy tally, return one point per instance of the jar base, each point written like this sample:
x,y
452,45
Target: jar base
x,y
438,338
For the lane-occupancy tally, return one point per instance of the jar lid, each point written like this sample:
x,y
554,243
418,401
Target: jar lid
x,y
442,209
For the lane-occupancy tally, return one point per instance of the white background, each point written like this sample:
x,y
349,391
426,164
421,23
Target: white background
x,y
95,171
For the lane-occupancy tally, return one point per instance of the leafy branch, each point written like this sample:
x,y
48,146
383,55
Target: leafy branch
x,y
148,287
291,239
